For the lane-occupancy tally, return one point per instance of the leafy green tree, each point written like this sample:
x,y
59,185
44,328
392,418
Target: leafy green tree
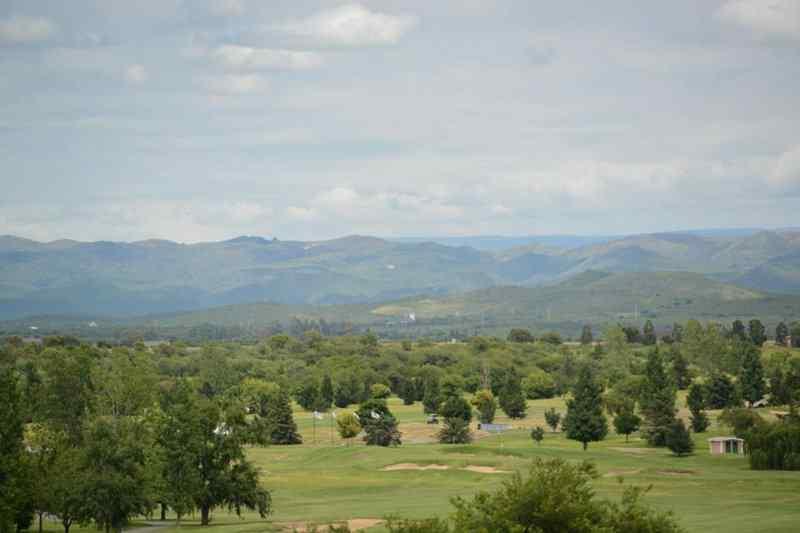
x,y
486,406
757,332
347,391
408,391
457,414
66,484
794,332
68,390
737,330
678,439
326,393
696,402
12,473
539,384
117,484
308,395
455,430
520,335
781,332
649,334
657,400
555,497
537,434
680,368
627,421
512,399
720,392
432,396
124,383
380,391
585,421
379,424
751,376
210,469
586,335
274,422
348,426
741,421
551,337
552,418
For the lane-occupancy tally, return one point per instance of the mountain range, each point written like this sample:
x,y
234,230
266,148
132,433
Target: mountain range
x,y
126,279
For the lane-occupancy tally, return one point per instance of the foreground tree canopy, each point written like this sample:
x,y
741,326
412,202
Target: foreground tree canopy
x,y
555,497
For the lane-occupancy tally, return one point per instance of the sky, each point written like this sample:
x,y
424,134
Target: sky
x,y
198,120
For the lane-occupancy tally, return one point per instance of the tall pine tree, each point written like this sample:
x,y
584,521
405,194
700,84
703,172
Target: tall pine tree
x,y
326,393
585,421
649,334
781,332
512,398
751,376
696,402
657,402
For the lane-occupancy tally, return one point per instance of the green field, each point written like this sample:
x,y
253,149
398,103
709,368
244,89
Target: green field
x,y
325,482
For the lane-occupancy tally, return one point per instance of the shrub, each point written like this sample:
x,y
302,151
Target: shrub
x,y
455,431
679,441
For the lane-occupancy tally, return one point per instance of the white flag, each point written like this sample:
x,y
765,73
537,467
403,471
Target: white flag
x,y
375,415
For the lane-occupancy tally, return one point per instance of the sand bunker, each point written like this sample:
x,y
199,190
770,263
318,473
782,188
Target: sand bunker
x,y
413,466
355,524
485,469
616,473
676,472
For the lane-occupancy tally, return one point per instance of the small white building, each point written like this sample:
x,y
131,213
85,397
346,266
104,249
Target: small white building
x,y
724,445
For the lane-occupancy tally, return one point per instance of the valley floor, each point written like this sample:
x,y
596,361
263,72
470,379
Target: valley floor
x,y
325,482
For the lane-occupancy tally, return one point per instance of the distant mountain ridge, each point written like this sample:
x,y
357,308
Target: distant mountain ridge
x,y
159,276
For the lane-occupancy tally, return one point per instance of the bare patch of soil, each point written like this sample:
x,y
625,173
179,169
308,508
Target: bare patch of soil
x,y
416,433
676,472
413,466
616,473
485,469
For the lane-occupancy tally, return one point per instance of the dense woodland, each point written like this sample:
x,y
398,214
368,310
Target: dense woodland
x,y
101,433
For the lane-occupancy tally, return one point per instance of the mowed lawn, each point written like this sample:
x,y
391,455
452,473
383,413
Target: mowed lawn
x,y
332,481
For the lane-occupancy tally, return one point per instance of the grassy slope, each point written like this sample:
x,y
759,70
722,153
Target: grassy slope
x,y
325,482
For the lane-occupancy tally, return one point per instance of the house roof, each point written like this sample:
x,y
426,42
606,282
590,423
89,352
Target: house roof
x,y
723,439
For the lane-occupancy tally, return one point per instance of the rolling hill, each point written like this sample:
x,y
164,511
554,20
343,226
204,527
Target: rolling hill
x,y
156,276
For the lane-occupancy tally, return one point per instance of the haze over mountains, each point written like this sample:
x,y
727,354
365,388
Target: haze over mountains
x,y
156,276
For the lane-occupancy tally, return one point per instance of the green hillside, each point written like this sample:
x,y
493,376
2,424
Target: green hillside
x,y
155,276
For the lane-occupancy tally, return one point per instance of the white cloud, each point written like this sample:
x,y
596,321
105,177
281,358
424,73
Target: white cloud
x,y
236,84
786,171
136,74
779,18
353,25
300,213
246,58
20,29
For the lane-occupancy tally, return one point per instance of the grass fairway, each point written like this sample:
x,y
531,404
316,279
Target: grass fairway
x,y
325,482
